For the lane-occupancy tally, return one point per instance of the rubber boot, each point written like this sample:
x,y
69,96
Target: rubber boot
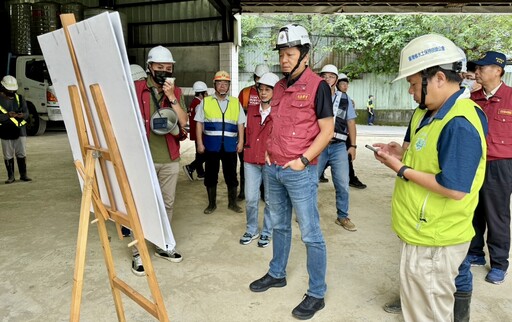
x,y
22,166
232,200
462,305
9,164
212,200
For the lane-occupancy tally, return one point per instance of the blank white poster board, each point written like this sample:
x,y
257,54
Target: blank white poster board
x,y
101,55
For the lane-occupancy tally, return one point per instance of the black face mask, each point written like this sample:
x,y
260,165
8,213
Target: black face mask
x,y
9,94
160,76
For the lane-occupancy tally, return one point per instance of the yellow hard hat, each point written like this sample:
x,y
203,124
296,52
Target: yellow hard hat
x,y
221,76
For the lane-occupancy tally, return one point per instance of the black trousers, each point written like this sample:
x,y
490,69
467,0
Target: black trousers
x,y
212,166
197,164
493,213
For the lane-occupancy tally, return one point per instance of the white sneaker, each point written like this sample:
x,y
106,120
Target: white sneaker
x,y
170,255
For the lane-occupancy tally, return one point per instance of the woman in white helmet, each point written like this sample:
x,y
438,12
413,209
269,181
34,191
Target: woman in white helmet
x,y
439,175
249,97
156,94
257,127
303,124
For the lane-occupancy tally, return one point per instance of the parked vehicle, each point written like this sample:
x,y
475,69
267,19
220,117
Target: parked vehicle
x,y
34,84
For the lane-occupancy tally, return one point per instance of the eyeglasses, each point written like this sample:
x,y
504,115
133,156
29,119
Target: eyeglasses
x,y
225,83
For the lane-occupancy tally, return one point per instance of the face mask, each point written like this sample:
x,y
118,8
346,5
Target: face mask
x,y
160,76
9,94
468,83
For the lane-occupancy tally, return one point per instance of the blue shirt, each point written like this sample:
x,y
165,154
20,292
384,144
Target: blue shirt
x,y
459,147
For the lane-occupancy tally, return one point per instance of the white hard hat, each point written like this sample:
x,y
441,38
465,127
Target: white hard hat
x,y
137,72
199,87
165,121
342,76
428,51
464,61
261,69
292,35
269,79
330,69
9,83
160,54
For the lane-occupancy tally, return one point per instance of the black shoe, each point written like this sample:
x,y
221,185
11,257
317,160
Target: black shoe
x,y
308,307
188,172
267,282
125,231
355,183
323,179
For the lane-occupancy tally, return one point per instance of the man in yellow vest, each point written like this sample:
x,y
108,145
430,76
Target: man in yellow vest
x,y
439,175
220,136
13,116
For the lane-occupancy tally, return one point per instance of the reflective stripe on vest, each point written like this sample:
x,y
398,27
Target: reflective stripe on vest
x,y
14,120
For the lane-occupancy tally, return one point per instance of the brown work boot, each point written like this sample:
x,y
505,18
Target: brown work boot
x,y
346,223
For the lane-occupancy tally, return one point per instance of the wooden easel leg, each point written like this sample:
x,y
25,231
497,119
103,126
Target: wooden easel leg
x,y
81,245
107,254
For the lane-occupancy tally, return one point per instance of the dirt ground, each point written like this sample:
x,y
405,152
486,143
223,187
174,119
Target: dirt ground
x,y
38,230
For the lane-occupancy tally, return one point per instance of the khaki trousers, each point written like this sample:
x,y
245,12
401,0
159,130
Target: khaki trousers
x,y
427,281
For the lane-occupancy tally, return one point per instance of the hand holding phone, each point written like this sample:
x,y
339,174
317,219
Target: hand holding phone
x,y
374,149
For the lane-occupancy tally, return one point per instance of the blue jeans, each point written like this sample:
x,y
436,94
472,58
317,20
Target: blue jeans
x,y
336,155
288,188
464,281
253,180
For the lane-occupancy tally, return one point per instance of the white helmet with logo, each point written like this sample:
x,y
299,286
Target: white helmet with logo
x,y
160,54
199,87
329,69
292,35
429,51
137,72
261,69
10,83
165,121
269,79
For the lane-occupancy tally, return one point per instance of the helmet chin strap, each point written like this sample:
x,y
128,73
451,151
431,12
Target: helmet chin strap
x,y
424,84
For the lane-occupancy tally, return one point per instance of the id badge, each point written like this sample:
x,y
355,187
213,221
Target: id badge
x,y
160,123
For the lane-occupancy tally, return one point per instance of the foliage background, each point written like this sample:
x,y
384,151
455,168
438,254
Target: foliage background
x,y
372,43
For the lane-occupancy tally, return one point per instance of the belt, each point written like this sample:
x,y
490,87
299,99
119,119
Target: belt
x,y
336,141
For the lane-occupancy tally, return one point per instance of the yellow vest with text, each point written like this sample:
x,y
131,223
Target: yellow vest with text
x,y
420,216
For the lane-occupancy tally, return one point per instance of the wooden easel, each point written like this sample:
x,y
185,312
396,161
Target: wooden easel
x,y
94,155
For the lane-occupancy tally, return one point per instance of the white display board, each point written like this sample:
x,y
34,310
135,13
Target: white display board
x,y
101,55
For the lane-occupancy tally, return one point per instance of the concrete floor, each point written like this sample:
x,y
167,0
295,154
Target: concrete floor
x,y
38,230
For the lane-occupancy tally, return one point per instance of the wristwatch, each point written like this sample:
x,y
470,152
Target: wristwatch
x,y
400,173
174,102
304,160
353,146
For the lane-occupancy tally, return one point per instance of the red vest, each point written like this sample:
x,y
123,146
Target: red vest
x,y
498,109
144,98
295,124
191,114
248,97
256,136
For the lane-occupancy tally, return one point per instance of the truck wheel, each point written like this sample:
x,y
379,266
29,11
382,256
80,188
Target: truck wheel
x,y
35,125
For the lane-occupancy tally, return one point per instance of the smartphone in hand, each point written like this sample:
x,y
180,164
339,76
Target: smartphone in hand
x,y
374,149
